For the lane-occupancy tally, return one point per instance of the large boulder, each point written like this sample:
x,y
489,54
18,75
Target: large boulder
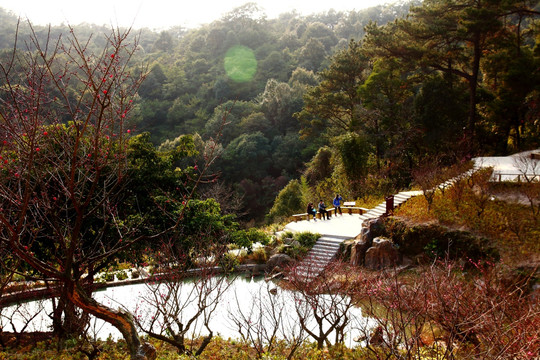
x,y
345,249
278,263
414,239
371,228
146,351
381,254
358,252
287,240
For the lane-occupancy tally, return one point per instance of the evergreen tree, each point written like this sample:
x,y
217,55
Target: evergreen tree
x,y
335,102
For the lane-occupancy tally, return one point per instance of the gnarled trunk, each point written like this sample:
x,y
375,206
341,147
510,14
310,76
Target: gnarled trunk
x,y
67,321
120,319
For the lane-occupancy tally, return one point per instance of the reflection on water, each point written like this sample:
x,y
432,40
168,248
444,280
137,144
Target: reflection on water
x,y
245,301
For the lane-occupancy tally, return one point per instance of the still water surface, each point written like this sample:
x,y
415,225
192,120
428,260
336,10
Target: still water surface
x,y
243,301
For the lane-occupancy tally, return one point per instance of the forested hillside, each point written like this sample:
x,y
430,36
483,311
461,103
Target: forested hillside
x,y
160,153
352,102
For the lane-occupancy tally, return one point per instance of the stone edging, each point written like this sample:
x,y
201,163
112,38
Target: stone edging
x,y
43,293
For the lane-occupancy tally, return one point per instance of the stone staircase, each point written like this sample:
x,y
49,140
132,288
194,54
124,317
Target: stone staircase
x,y
327,246
321,254
448,183
380,209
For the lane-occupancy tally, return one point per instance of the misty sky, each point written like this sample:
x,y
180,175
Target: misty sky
x,y
161,14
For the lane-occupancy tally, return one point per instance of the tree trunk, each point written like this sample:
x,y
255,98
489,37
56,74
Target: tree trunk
x,y
67,321
204,344
120,319
473,85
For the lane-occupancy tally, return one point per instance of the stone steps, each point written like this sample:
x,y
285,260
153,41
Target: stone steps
x,y
380,209
448,183
319,257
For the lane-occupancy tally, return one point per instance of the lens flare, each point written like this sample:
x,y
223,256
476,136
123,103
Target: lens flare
x,y
240,64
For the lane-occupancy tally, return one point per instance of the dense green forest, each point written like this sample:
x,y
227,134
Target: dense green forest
x,y
136,149
350,101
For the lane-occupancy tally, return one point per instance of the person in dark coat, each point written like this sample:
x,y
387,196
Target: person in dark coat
x,y
311,210
322,210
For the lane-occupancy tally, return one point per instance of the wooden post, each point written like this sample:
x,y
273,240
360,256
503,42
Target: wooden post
x,y
389,205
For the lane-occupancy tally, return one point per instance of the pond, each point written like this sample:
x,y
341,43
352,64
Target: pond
x,y
242,305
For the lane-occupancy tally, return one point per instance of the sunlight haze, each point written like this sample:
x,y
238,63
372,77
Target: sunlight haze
x,y
162,14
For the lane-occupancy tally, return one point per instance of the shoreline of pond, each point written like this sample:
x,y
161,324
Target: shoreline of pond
x,y
41,293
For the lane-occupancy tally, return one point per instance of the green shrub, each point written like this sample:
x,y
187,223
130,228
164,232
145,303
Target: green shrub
x,y
306,239
295,252
18,277
107,277
229,262
121,275
289,201
258,236
438,241
287,234
246,238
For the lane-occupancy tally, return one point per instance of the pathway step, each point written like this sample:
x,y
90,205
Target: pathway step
x,y
326,240
402,196
326,246
319,256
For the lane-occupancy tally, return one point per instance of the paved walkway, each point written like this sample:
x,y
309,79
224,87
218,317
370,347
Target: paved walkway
x,y
347,226
513,167
334,231
342,227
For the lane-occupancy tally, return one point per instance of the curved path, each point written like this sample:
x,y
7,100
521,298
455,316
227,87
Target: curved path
x,y
334,231
343,227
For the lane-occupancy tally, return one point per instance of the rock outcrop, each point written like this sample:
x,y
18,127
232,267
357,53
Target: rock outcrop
x,y
382,254
369,249
278,263
358,252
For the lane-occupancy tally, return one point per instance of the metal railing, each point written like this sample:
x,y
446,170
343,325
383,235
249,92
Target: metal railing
x,y
514,177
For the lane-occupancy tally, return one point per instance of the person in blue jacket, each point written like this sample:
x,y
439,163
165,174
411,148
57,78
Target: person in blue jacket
x,y
337,203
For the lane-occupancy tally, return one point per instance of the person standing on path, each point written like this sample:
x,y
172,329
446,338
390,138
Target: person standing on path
x,y
337,204
322,210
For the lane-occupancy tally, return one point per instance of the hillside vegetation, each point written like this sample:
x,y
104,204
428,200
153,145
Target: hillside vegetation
x,y
353,101
126,149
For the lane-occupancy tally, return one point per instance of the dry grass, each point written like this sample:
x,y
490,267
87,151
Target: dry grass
x,y
512,227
